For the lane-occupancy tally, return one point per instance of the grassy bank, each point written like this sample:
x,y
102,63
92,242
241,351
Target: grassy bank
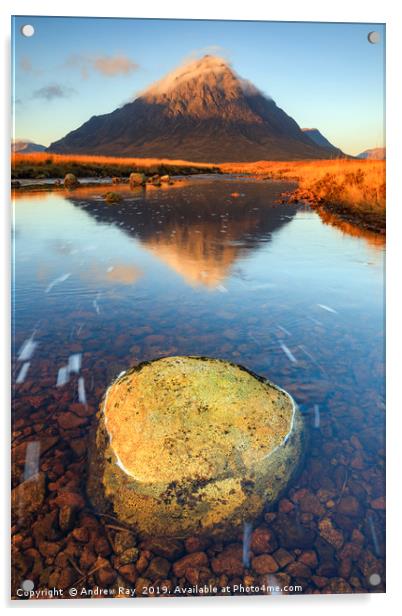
x,y
352,189
43,165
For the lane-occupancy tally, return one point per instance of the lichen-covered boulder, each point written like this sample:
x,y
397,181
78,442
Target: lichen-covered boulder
x,y
187,445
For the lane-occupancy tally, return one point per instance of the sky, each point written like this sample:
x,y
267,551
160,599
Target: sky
x,y
326,76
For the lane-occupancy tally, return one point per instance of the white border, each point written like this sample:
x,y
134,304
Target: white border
x,y
287,10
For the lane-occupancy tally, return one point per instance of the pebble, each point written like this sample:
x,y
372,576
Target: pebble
x,y
309,503
337,586
319,580
66,518
285,505
345,568
230,561
264,564
129,572
195,560
378,503
28,496
309,558
102,546
195,544
129,556
87,558
283,557
167,547
106,576
141,586
158,568
80,534
350,551
48,549
292,534
298,569
69,421
348,505
192,575
262,540
329,533
70,499
142,563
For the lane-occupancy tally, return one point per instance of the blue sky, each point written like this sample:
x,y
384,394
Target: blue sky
x,y
324,75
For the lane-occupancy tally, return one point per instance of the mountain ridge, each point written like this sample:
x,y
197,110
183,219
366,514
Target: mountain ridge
x,y
373,154
26,146
318,138
202,111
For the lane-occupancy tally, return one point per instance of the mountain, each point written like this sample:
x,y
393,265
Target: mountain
x,y
322,141
373,154
26,147
202,111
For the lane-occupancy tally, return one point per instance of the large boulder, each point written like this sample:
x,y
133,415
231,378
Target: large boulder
x,y
192,445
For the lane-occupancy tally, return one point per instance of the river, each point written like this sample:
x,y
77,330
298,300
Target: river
x,y
214,266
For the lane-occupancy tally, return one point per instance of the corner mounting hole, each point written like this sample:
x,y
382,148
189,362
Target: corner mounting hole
x,y
27,585
375,579
373,37
27,30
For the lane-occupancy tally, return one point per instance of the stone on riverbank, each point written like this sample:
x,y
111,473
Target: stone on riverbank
x,y
188,445
137,179
70,181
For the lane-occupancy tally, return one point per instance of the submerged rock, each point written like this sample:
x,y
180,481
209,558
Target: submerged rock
x,y
190,445
28,496
112,197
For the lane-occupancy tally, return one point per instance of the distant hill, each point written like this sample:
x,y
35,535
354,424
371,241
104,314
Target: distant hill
x,y
373,154
202,111
19,145
315,135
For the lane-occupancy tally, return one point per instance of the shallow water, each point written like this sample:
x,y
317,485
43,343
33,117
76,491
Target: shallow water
x,y
216,267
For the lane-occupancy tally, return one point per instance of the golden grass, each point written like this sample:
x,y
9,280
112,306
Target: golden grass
x,y
42,158
345,186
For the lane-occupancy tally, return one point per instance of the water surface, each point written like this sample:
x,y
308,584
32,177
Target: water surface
x,y
215,267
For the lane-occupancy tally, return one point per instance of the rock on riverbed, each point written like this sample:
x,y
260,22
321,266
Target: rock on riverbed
x,y
190,445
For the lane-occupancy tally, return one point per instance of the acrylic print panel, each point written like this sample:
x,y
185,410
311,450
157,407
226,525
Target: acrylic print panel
x,y
198,315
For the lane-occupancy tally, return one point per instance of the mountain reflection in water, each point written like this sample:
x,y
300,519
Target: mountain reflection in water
x,y
199,234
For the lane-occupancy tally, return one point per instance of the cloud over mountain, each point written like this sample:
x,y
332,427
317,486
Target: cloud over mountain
x,y
53,91
108,66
